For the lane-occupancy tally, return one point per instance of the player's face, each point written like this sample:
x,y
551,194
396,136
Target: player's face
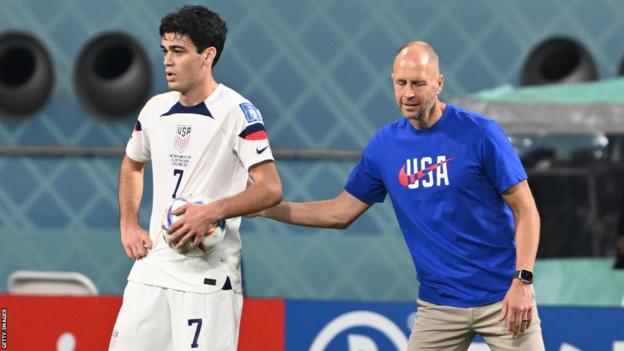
x,y
416,88
185,68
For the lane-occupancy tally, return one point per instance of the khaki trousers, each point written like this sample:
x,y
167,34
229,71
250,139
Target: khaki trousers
x,y
445,328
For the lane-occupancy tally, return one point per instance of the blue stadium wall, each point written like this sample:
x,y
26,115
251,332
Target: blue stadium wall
x,y
319,72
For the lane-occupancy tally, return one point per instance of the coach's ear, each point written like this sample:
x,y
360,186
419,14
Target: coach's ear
x,y
440,83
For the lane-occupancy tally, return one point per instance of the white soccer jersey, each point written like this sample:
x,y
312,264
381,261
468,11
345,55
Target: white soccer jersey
x,y
204,149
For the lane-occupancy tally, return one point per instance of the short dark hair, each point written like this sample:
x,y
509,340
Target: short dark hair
x,y
204,27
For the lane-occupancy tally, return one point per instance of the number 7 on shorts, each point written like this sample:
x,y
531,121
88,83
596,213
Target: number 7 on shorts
x,y
195,345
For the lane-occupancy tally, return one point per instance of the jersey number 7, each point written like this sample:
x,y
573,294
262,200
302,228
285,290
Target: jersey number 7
x,y
179,173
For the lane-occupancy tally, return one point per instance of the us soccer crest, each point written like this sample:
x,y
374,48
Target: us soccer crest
x,y
182,138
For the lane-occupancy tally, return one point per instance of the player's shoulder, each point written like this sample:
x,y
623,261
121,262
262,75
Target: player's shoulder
x,y
236,104
159,104
225,98
230,96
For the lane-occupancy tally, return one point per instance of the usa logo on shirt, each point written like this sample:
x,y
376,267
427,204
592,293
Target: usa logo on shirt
x,y
182,137
425,172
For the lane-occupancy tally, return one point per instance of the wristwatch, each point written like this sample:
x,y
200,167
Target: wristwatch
x,y
525,276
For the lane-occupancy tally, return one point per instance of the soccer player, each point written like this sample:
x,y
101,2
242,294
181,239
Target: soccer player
x,y
202,138
463,205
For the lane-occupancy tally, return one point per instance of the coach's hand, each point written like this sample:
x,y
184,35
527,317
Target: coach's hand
x,y
135,241
517,308
194,223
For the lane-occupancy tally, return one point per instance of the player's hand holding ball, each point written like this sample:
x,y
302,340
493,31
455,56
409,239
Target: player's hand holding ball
x,y
188,239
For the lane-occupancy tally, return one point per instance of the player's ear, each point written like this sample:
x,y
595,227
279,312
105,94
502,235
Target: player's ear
x,y
209,55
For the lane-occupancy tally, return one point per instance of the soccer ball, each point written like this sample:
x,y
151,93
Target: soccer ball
x,y
211,239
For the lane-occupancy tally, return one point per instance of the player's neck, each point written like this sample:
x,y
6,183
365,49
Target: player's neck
x,y
198,94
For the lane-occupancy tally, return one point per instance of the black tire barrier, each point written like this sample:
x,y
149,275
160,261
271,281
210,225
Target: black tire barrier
x,y
112,76
558,60
26,75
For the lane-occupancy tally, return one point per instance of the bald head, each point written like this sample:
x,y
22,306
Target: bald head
x,y
417,53
417,83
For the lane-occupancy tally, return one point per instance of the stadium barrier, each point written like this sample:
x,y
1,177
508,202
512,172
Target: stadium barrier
x,y
85,323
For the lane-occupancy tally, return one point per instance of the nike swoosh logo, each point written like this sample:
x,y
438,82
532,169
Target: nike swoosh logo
x,y
259,151
405,179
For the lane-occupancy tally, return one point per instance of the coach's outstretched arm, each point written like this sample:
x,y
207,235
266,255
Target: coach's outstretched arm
x,y
135,240
338,212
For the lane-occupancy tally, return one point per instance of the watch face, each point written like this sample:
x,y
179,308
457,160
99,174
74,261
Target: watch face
x,y
526,276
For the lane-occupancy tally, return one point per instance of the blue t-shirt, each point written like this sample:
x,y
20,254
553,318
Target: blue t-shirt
x,y
445,184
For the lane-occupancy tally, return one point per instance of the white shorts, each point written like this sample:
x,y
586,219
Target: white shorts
x,y
155,318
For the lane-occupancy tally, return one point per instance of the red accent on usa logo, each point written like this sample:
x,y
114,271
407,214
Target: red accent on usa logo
x,y
182,137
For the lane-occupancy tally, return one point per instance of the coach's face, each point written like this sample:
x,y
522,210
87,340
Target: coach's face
x,y
185,68
417,83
